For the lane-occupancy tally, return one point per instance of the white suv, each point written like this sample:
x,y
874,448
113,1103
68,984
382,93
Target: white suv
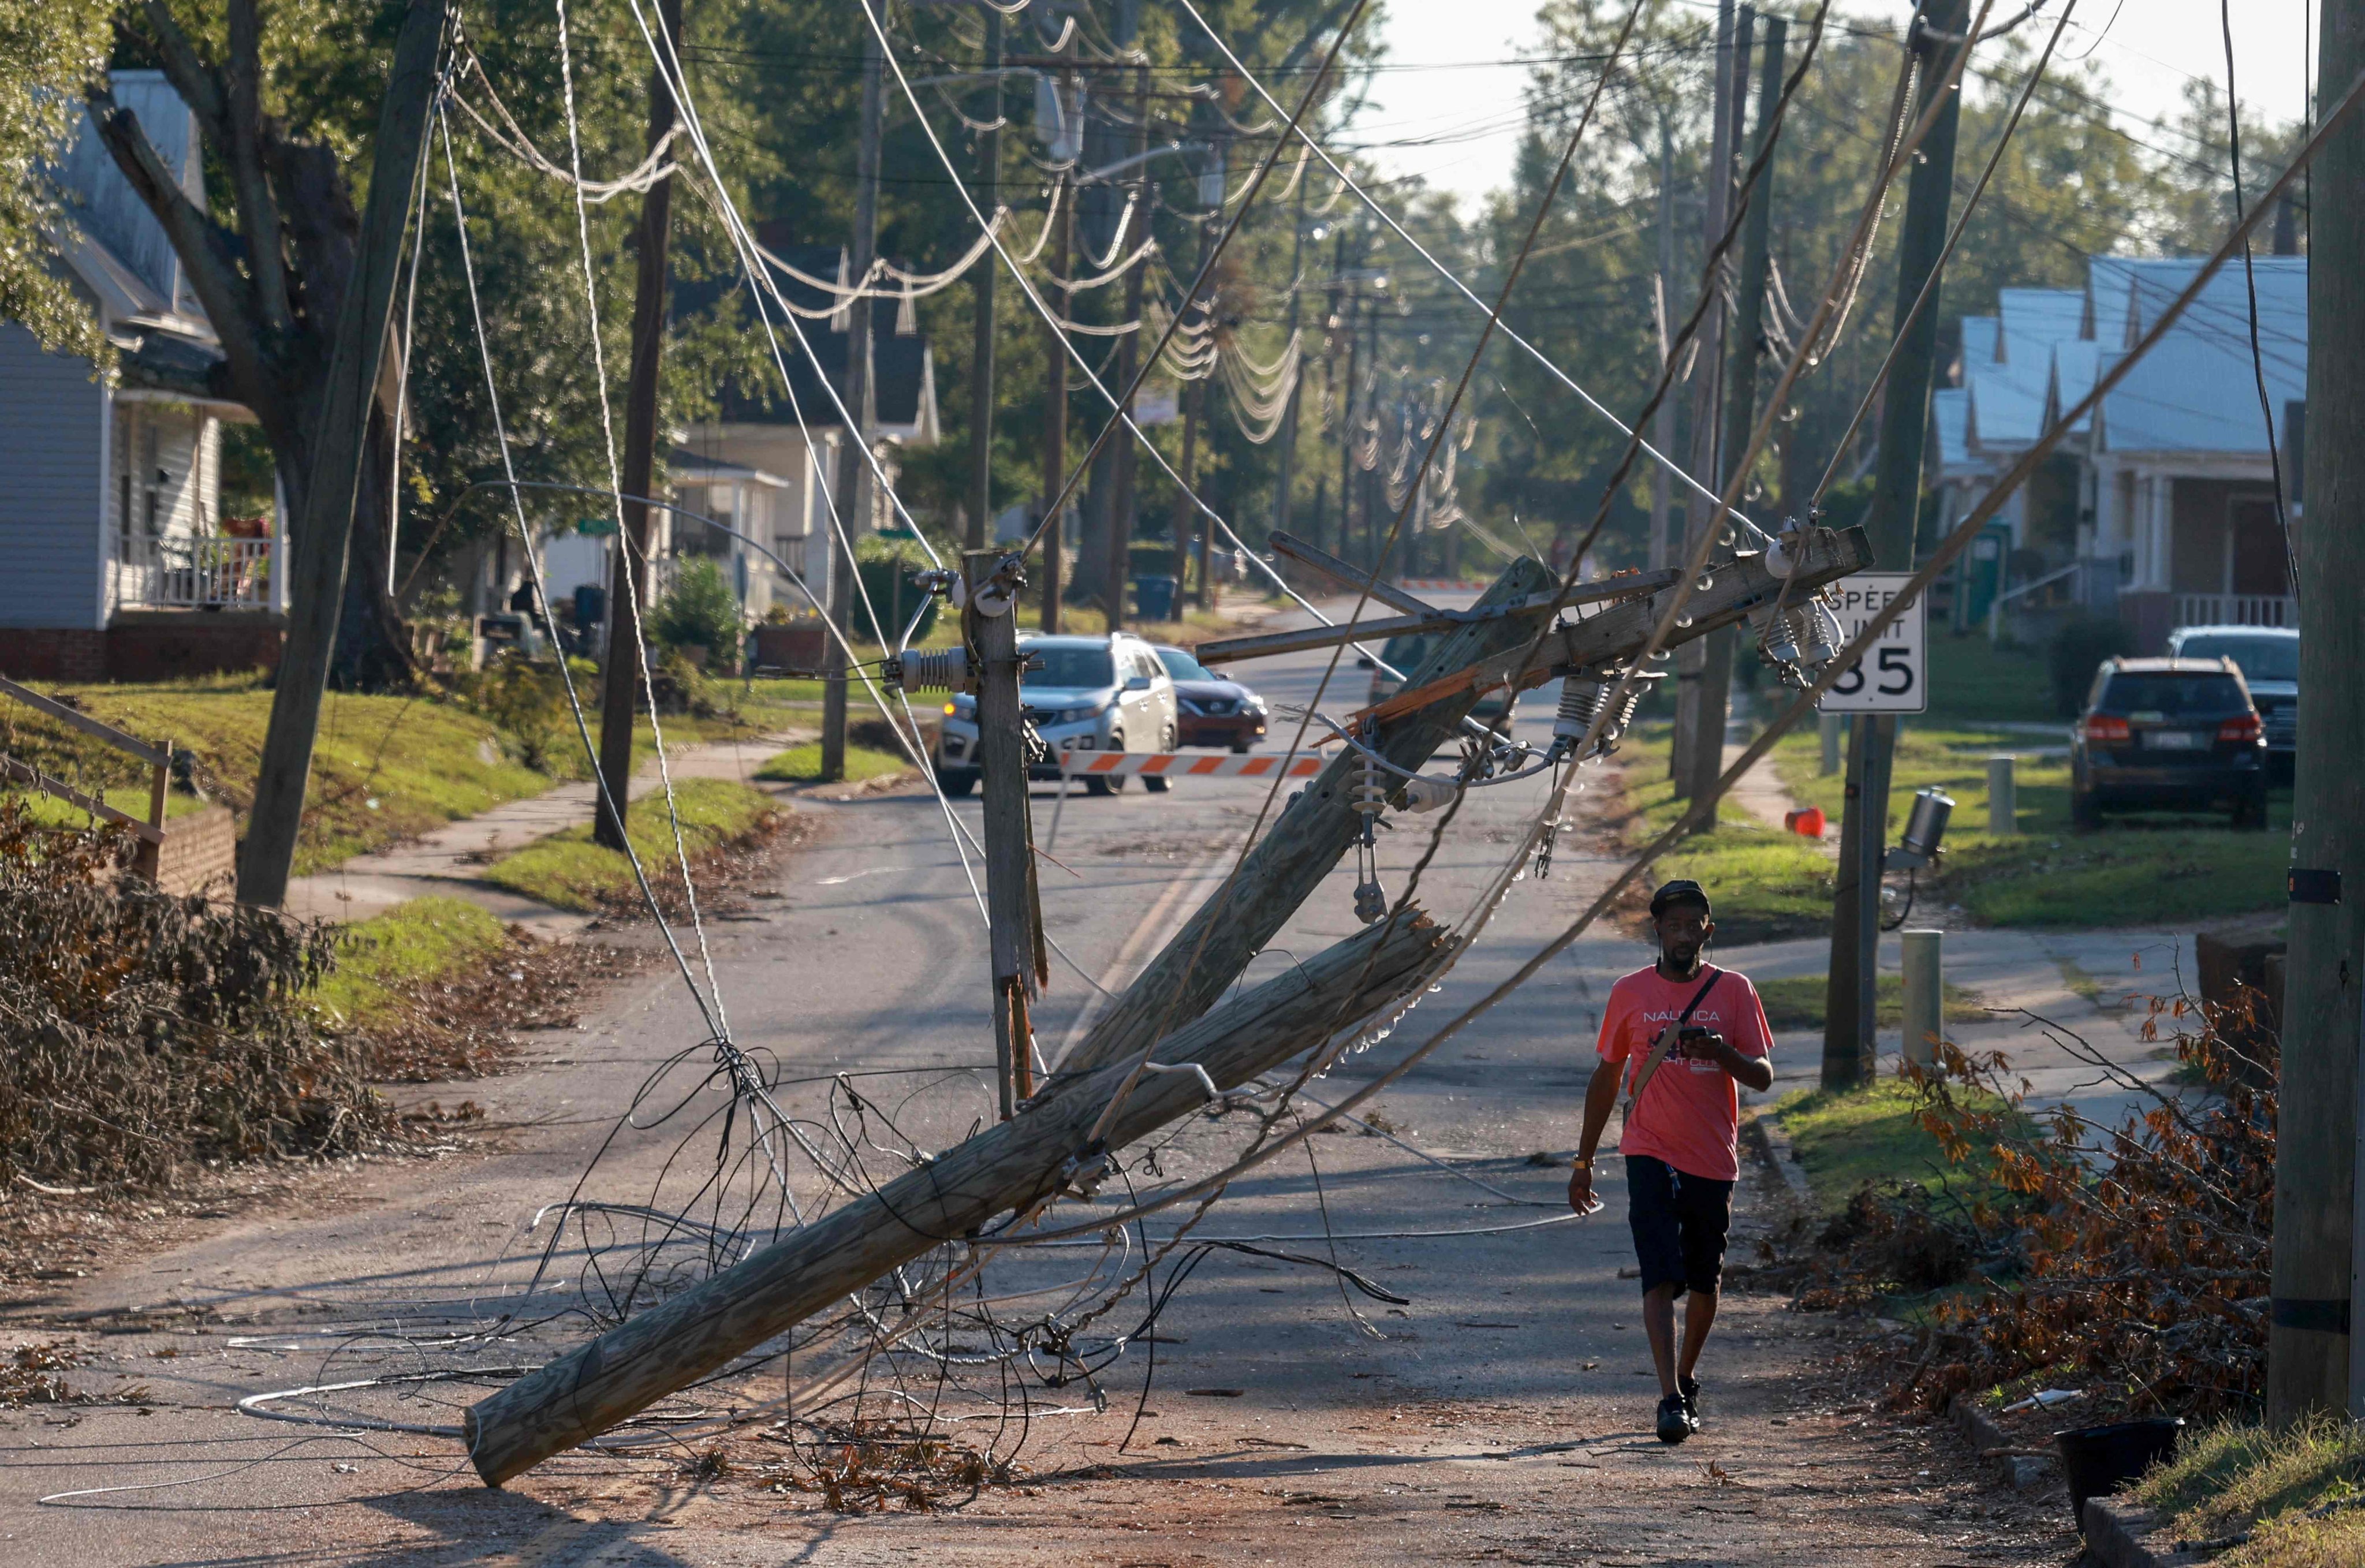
x,y
1106,693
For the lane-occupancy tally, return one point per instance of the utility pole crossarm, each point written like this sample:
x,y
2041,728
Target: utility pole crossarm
x,y
1618,634
1347,574
1266,643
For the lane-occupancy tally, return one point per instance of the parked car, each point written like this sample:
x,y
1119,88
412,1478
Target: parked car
x,y
1408,653
2168,733
1088,694
2267,657
1213,712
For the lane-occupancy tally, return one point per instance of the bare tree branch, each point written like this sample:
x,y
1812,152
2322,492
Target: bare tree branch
x,y
258,210
199,85
202,244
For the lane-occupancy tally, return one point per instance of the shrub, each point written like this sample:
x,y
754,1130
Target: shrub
x,y
528,700
147,1032
2078,648
699,611
885,567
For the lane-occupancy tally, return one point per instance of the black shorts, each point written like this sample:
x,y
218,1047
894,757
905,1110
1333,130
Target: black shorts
x,y
1680,1223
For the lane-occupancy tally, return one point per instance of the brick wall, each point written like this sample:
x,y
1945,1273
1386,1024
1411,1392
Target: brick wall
x,y
199,853
167,645
44,653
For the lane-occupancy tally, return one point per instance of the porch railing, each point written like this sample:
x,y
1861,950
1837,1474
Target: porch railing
x,y
195,574
2236,609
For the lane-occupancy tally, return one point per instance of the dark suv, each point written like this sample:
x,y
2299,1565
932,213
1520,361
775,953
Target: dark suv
x,y
2168,733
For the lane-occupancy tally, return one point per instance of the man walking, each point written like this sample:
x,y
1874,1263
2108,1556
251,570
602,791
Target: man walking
x,y
1679,1035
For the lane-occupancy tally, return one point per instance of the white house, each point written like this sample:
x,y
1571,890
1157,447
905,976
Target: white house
x,y
2161,506
120,562
756,469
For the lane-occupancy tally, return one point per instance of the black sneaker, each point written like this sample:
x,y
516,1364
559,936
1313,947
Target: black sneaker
x,y
1688,1390
1675,1423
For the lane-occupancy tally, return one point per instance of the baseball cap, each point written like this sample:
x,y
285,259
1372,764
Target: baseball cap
x,y
1682,889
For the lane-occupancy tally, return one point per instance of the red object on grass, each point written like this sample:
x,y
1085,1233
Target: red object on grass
x,y
1806,824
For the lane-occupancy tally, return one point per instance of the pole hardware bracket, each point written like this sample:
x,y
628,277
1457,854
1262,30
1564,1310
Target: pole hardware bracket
x,y
2314,887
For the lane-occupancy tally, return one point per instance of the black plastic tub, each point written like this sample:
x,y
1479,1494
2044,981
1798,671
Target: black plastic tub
x,y
2098,1461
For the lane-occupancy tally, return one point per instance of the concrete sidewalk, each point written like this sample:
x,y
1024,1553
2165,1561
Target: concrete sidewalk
x,y
447,861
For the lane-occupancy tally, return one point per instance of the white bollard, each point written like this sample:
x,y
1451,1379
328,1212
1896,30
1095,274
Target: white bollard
x,y
1833,727
2003,805
1925,1018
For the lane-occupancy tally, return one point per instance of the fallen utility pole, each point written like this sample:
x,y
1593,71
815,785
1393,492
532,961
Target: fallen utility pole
x,y
1850,1038
853,458
1020,963
323,533
629,582
1746,348
1010,1167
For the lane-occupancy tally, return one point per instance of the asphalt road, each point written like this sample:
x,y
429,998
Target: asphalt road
x,y
1502,1411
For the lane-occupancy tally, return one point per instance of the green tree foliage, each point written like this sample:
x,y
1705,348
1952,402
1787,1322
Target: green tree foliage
x,y
51,47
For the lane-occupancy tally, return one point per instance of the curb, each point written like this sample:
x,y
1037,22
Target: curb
x,y
2019,1471
1785,1158
2117,1533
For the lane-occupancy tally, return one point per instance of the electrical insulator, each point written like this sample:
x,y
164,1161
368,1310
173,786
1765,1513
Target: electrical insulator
x,y
1579,702
1369,794
936,669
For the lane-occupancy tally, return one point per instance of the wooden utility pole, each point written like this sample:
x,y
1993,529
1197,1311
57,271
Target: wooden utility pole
x,y
2309,1363
1195,400
1849,1034
1748,345
1662,428
1347,413
323,535
1285,476
853,457
629,581
1127,452
980,363
1054,409
1708,373
989,629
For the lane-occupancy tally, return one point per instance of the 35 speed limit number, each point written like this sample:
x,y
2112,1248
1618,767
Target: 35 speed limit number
x,y
1892,678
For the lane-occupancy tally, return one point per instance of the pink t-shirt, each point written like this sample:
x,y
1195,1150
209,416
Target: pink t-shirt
x,y
1690,1114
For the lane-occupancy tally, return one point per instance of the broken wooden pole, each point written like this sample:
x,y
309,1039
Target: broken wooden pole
x,y
1004,1168
1208,954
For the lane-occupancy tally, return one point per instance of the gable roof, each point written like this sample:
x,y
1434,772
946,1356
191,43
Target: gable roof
x,y
2197,389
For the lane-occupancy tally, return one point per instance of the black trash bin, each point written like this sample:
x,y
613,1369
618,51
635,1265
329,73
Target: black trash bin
x,y
2098,1461
1153,597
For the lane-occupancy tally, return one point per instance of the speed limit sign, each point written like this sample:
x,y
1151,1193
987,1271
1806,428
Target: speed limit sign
x,y
1892,678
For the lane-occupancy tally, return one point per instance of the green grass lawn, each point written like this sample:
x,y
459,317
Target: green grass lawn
x,y
1796,1002
385,767
411,942
567,870
2140,869
1846,1137
1766,884
1972,681
2235,1477
801,763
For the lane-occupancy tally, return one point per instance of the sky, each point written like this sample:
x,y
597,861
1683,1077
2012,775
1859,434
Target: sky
x,y
1449,93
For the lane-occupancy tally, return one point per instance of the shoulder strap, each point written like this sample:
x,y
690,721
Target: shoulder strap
x,y
1660,1046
